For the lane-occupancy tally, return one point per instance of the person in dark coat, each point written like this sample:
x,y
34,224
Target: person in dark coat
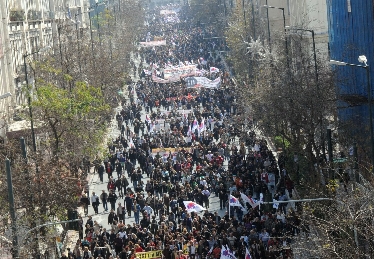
x,y
128,202
101,171
112,217
112,197
222,195
118,244
85,201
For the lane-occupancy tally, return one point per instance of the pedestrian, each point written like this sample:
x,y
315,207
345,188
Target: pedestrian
x,y
119,170
85,201
148,209
104,200
124,183
222,195
109,170
111,185
95,202
129,204
112,217
101,171
136,209
112,198
118,184
121,212
86,253
206,195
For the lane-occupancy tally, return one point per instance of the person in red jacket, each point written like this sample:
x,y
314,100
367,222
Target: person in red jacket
x,y
138,249
216,252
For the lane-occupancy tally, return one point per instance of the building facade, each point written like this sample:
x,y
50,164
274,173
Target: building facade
x,y
351,26
28,27
311,15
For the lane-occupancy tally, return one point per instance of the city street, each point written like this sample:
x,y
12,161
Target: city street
x,y
96,186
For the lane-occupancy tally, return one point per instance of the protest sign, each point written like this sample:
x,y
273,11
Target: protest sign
x,y
202,82
149,255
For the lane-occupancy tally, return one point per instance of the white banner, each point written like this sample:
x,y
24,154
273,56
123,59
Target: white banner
x,y
202,82
167,12
179,71
173,79
152,43
160,80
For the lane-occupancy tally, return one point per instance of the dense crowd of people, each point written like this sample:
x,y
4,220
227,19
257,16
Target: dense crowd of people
x,y
194,144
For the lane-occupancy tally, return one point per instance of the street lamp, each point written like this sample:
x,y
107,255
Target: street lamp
x,y
284,26
314,47
29,97
363,59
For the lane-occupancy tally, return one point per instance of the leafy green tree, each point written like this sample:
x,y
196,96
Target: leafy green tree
x,y
65,115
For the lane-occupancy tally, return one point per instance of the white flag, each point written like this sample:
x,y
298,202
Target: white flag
x,y
193,206
152,127
227,253
235,202
195,125
214,70
275,204
148,119
253,202
201,127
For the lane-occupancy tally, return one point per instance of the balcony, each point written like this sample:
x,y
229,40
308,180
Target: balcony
x,y
34,15
17,15
49,15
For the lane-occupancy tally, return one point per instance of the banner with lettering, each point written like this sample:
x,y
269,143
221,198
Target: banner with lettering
x,y
150,255
164,152
158,254
179,71
173,79
202,82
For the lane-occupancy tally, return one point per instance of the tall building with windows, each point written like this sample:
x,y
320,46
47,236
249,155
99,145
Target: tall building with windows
x,y
312,16
6,75
351,26
28,26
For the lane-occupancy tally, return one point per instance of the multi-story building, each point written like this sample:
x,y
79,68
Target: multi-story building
x,y
351,35
6,75
27,27
312,16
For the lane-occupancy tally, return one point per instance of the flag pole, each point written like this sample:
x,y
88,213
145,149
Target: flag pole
x,y
229,203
